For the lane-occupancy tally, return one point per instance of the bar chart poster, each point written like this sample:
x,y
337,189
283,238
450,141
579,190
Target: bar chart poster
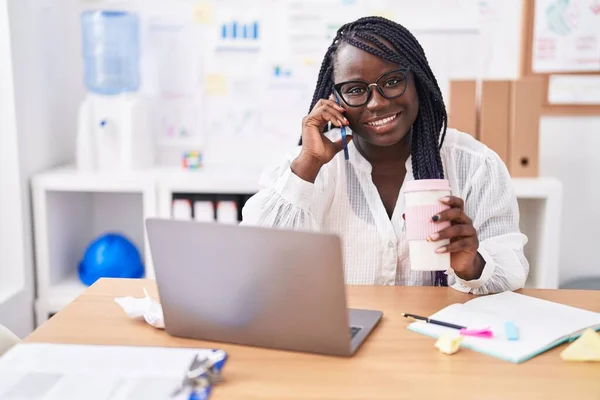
x,y
237,34
236,30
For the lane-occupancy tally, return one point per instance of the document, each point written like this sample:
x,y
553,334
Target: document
x,y
574,89
74,372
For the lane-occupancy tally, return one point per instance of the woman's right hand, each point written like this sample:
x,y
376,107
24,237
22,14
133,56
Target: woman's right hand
x,y
317,149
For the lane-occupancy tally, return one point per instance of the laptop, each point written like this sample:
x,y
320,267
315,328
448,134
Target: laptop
x,y
255,286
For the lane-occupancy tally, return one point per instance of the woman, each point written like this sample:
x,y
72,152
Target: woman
x,y
390,100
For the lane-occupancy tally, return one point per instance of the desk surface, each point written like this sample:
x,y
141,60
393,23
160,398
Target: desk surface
x,y
393,363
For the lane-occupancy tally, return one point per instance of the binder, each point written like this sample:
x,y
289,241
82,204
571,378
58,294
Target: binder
x,y
527,95
493,129
204,211
463,107
506,119
227,212
181,209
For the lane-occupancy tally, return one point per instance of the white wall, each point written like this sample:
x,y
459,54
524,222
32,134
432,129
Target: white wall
x,y
48,88
569,150
15,295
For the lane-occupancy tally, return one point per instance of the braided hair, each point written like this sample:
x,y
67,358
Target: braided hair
x,y
431,122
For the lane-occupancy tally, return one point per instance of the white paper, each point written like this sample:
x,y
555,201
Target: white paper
x,y
574,89
145,308
177,121
566,36
73,372
437,15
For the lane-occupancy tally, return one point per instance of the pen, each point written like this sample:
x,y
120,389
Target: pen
x,y
343,129
433,321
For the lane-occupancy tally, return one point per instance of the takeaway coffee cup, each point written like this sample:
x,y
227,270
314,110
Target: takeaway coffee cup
x,y
422,202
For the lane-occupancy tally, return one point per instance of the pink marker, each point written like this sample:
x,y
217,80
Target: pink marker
x,y
481,333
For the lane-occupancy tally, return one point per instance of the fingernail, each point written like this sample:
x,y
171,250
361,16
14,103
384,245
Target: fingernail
x,y
441,250
445,199
434,237
346,119
435,218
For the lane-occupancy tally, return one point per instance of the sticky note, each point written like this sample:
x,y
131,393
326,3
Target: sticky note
x,y
512,333
448,344
204,12
585,348
215,84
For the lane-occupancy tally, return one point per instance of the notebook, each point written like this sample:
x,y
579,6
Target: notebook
x,y
541,324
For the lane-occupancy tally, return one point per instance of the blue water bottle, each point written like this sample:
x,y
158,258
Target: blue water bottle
x,y
111,51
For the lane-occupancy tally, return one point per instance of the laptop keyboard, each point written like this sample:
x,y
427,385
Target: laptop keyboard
x,y
354,330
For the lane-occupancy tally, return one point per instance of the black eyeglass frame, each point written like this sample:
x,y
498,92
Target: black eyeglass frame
x,y
337,87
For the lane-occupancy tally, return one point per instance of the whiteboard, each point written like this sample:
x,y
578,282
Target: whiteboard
x,y
234,78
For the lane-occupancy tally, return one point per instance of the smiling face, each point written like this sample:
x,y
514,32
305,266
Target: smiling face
x,y
380,122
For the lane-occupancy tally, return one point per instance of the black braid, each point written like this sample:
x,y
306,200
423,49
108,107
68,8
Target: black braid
x,y
366,34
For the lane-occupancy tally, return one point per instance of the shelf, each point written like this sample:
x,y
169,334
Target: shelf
x,y
67,221
536,188
211,179
208,179
7,293
62,293
68,178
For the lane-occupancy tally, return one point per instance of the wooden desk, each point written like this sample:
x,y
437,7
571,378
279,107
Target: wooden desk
x,y
394,363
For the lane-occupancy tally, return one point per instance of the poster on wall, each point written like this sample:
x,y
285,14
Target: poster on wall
x,y
233,78
566,36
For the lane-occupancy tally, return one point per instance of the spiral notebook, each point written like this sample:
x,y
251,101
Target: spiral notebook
x,y
541,324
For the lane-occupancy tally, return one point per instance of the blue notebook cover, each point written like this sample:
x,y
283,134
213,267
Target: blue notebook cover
x,y
541,324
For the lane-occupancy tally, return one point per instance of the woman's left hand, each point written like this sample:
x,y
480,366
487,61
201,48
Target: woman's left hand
x,y
466,262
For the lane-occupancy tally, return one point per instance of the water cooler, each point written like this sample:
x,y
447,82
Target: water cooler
x,y
113,130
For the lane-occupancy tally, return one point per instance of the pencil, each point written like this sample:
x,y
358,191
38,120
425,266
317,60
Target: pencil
x,y
433,321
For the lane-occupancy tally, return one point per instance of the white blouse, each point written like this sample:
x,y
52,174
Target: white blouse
x,y
343,200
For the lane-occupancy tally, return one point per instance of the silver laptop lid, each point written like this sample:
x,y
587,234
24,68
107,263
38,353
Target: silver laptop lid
x,y
249,285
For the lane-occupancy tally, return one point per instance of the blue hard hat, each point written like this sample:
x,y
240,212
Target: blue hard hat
x,y
111,255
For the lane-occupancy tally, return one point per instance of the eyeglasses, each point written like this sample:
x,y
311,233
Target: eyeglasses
x,y
358,93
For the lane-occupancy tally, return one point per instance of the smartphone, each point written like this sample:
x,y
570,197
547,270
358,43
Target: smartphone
x,y
343,128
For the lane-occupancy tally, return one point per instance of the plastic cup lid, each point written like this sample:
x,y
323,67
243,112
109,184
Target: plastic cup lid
x,y
422,185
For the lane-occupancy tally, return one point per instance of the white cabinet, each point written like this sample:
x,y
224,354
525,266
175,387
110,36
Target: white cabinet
x,y
540,207
71,208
